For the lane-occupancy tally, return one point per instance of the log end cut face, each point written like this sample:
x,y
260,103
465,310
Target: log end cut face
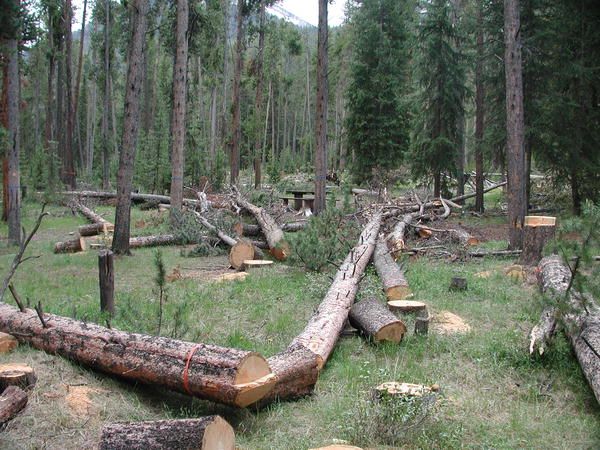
x,y
281,251
540,221
239,253
7,343
392,332
219,435
406,306
254,380
397,293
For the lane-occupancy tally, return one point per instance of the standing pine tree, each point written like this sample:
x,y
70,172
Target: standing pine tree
x,y
440,78
377,116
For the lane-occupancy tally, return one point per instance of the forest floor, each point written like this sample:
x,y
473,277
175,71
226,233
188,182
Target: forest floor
x,y
493,395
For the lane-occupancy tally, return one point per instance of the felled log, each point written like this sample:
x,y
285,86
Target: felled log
x,y
254,264
7,343
12,401
134,196
205,433
500,253
72,246
153,241
395,240
99,224
325,326
581,322
392,277
15,374
537,231
278,247
376,322
224,375
248,229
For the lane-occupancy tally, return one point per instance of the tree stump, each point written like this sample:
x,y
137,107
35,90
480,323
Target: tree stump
x,y
458,284
253,264
422,323
12,401
106,281
19,375
406,306
240,252
536,232
376,321
8,343
206,433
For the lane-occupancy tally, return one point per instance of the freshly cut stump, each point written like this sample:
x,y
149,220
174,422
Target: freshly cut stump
x,y
12,401
406,306
224,375
391,275
465,238
250,264
422,322
376,321
338,447
206,433
537,231
239,253
72,246
396,389
8,343
19,375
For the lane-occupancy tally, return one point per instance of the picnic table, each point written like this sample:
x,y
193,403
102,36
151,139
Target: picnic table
x,y
302,197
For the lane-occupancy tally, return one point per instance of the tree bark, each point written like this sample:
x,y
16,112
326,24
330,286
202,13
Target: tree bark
x,y
395,285
479,113
72,246
515,143
178,130
68,163
153,241
99,225
224,375
255,230
236,127
14,136
376,322
321,113
79,61
324,327
258,100
395,240
106,107
106,281
205,433
12,401
538,230
120,245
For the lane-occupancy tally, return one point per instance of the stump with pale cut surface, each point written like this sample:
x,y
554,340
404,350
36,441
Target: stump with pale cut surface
x,y
16,374
406,306
8,343
537,231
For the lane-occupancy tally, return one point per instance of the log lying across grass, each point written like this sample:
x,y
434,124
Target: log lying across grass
x,y
581,321
134,196
392,277
12,401
396,239
206,433
376,322
325,326
248,229
99,224
154,241
72,246
224,375
278,246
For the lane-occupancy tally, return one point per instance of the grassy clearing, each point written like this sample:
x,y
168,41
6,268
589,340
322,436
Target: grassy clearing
x,y
493,394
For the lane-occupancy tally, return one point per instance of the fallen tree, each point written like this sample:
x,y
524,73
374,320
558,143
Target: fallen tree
x,y
99,224
396,239
224,375
134,196
394,283
581,319
376,322
205,433
12,401
324,327
248,229
154,241
71,246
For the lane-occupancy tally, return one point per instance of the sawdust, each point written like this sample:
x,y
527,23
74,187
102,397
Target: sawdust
x,y
485,274
79,402
445,322
516,272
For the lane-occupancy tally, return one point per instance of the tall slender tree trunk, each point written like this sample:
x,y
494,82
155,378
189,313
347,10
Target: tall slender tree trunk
x,y
14,183
515,145
4,124
106,108
68,163
479,112
267,111
213,127
322,106
258,99
236,129
225,4
139,12
80,61
179,107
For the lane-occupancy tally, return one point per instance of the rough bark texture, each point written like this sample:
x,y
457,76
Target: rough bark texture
x,y
19,375
179,106
72,246
324,327
515,137
258,99
14,177
131,120
395,239
582,325
153,241
106,104
391,275
99,224
225,375
106,281
255,230
12,401
536,233
376,322
134,196
68,163
205,433
321,113
236,127
278,247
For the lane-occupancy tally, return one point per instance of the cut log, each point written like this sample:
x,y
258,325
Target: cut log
x,y
15,374
8,343
325,326
94,229
500,253
255,230
229,376
376,322
537,231
406,306
134,196
253,264
12,401
278,246
72,246
239,253
153,241
395,240
296,370
581,324
392,277
206,433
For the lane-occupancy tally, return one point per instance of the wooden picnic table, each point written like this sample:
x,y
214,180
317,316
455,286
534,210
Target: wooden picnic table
x,y
299,199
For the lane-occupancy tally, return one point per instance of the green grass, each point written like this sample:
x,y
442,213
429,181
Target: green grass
x,y
493,394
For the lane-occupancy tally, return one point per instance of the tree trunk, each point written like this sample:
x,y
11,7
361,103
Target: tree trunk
x,y
99,223
236,127
392,277
395,240
20,375
106,108
72,246
324,327
437,184
213,128
224,375
79,61
120,245
321,113
258,100
68,162
106,281
205,433
153,241
517,204
12,401
179,107
537,232
14,136
376,322
255,230
479,113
